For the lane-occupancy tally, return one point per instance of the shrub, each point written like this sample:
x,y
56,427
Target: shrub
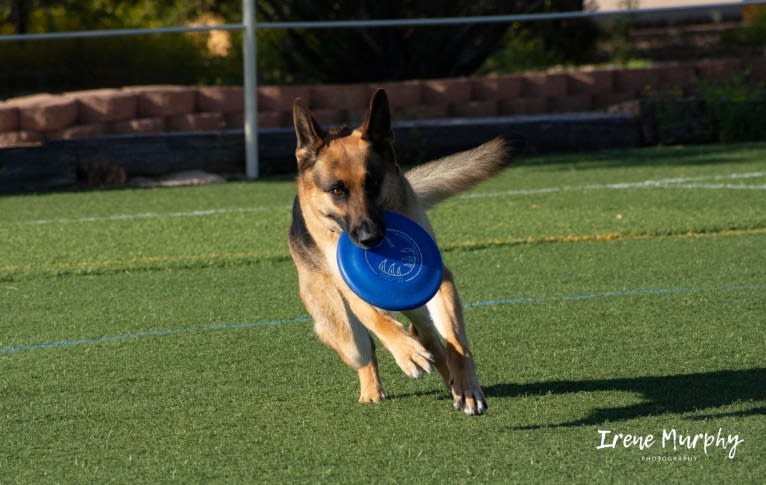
x,y
752,34
106,62
522,51
730,111
737,108
380,54
681,121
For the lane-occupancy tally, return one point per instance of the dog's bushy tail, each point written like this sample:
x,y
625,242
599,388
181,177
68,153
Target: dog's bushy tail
x,y
439,179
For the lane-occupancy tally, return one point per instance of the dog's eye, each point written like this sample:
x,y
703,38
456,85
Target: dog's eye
x,y
338,191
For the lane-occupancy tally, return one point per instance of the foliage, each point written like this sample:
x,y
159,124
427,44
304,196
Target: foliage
x,y
91,63
541,45
619,33
63,15
419,52
284,56
737,108
680,121
367,54
103,62
753,34
521,51
729,111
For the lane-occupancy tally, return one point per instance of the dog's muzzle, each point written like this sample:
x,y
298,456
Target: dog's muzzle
x,y
368,234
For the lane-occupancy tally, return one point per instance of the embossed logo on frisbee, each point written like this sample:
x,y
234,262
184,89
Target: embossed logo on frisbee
x,y
404,271
401,256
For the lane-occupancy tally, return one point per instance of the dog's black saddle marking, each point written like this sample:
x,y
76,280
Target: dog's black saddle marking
x,y
301,239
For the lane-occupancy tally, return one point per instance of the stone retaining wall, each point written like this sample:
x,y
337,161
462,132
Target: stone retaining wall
x,y
33,120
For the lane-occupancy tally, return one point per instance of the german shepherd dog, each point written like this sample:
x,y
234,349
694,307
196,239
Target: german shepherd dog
x,y
346,180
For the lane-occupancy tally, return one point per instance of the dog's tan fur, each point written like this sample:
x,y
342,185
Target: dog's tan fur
x,y
346,179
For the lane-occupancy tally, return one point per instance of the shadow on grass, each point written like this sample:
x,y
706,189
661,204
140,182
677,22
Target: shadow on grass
x,y
662,395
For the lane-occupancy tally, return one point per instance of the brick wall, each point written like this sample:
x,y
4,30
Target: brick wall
x,y
35,119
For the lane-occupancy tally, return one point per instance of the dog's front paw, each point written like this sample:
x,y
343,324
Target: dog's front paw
x,y
414,360
375,395
469,398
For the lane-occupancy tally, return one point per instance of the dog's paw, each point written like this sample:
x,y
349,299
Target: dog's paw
x,y
414,360
372,396
469,399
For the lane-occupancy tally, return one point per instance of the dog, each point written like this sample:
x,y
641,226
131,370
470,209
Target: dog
x,y
346,180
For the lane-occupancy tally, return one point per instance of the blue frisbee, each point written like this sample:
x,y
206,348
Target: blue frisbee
x,y
404,271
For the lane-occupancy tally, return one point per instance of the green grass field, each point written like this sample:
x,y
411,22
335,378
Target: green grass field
x,y
150,336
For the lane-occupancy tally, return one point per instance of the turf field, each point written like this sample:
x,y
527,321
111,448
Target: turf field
x,y
150,336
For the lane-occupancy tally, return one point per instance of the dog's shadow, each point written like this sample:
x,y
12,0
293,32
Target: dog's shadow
x,y
661,395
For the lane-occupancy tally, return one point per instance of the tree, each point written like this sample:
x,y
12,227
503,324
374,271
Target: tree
x,y
378,54
19,16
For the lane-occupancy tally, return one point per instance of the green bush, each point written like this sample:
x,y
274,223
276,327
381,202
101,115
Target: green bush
x,y
284,56
678,120
539,45
727,112
65,65
737,108
71,64
753,34
522,51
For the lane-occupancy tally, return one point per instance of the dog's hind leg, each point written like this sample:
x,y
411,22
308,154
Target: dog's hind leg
x,y
446,313
338,328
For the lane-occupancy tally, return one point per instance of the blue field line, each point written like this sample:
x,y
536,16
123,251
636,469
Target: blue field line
x,y
163,332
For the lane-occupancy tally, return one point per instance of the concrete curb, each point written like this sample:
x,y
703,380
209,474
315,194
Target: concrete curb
x,y
65,163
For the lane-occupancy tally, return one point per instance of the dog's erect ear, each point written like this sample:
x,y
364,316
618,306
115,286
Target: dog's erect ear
x,y
308,133
377,126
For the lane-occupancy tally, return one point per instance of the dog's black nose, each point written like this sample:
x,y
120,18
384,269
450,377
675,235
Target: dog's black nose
x,y
368,234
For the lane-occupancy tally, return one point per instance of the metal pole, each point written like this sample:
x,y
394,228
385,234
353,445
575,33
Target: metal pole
x,y
251,90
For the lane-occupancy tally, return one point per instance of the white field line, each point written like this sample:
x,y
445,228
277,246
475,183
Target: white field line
x,y
527,300
151,215
668,183
689,183
722,186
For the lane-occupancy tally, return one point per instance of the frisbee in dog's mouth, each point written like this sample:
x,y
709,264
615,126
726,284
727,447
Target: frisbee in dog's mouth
x,y
403,272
